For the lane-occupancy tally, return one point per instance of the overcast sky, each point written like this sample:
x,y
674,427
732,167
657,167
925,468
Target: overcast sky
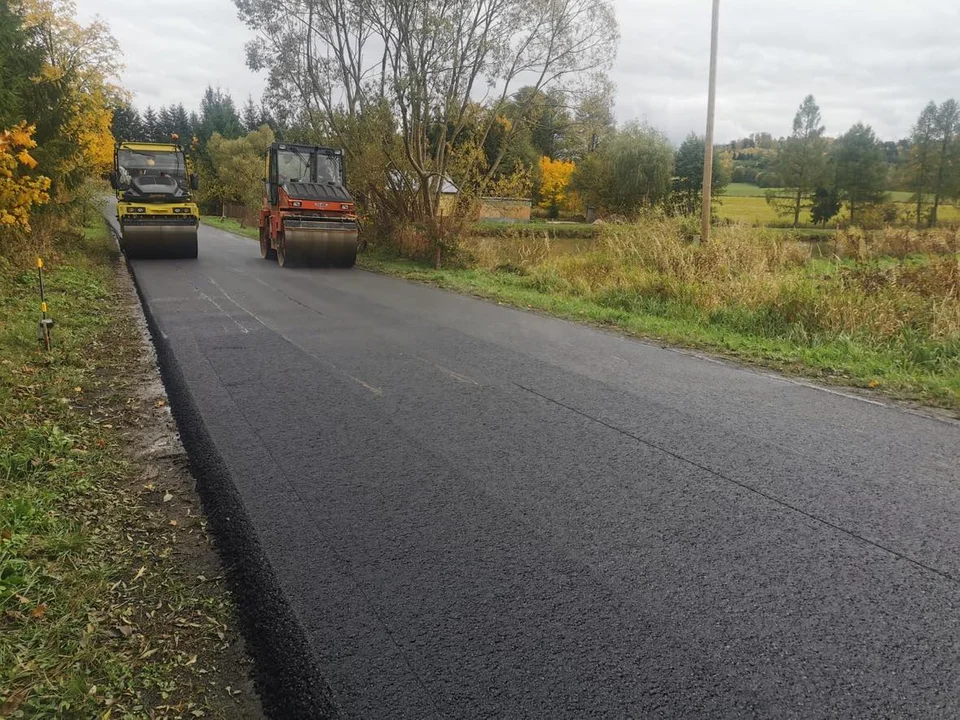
x,y
878,61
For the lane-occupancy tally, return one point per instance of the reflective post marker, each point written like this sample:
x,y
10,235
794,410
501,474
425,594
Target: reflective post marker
x,y
43,331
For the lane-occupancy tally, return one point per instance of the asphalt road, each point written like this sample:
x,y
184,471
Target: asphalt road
x,y
471,511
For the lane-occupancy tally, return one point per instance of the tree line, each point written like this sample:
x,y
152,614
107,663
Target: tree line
x,y
226,145
217,113
420,93
562,149
398,87
810,171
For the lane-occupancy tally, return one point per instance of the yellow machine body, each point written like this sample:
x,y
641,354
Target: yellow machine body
x,y
157,216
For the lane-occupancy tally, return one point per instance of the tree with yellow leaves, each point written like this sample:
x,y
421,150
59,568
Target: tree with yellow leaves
x,y
555,190
19,192
72,94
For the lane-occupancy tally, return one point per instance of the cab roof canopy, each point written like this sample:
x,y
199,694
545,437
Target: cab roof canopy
x,y
149,146
300,146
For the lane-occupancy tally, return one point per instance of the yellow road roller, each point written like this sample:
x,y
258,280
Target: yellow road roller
x,y
157,217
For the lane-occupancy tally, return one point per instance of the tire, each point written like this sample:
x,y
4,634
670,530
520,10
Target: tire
x,y
281,253
266,251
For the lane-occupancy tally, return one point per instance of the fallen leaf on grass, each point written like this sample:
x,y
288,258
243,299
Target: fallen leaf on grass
x,y
6,534
125,630
874,384
38,612
13,703
168,497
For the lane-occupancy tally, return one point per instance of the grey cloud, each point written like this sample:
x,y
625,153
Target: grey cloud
x,y
871,60
876,61
174,49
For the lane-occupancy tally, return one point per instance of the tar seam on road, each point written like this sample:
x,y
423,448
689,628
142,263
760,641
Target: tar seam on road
x,y
217,305
224,293
277,290
372,388
745,486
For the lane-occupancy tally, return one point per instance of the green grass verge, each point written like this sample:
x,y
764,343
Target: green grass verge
x,y
737,333
231,225
98,615
555,231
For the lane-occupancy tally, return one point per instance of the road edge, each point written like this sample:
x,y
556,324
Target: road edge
x,y
288,678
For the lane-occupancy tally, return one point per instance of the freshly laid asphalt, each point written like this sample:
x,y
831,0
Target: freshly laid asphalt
x,y
464,510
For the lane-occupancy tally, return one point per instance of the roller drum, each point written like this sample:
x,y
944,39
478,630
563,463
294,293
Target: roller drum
x,y
319,245
159,241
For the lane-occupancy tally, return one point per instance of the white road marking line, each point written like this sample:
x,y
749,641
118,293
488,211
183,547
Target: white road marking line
x,y
375,390
457,376
839,393
447,371
372,388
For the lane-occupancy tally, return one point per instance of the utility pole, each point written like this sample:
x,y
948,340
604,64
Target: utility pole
x,y
708,143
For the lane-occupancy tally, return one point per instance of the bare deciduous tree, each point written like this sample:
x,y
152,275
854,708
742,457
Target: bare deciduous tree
x,y
412,77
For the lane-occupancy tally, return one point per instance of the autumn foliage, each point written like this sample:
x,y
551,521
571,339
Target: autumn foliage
x,y
19,192
55,111
556,193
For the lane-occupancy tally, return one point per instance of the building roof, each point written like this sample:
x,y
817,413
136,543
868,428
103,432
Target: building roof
x,y
447,188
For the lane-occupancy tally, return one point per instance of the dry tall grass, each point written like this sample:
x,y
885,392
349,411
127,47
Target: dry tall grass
x,y
757,282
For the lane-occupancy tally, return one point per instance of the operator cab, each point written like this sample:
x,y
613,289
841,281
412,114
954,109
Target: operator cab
x,y
308,172
152,173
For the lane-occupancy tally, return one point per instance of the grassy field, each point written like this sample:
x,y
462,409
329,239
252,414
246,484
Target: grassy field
x,y
884,316
104,607
744,190
747,204
748,190
750,210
